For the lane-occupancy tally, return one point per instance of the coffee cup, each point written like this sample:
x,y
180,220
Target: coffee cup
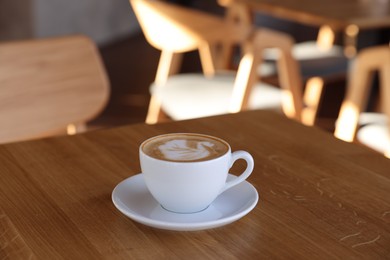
x,y
185,172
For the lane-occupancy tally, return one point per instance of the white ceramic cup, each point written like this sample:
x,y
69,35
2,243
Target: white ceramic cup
x,y
190,186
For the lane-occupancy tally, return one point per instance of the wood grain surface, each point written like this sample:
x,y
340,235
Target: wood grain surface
x,y
320,198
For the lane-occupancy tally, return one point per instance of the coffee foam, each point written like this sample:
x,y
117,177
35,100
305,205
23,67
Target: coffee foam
x,y
185,147
184,150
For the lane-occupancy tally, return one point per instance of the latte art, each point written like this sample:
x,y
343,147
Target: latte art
x,y
185,150
185,147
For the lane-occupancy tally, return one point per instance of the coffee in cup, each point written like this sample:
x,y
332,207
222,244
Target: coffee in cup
x,y
185,172
185,147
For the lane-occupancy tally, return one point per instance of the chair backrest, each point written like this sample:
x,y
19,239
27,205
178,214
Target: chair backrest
x,y
160,30
168,26
359,79
47,84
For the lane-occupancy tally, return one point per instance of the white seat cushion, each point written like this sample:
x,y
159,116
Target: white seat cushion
x,y
306,51
313,61
372,118
267,69
187,96
375,136
326,67
375,133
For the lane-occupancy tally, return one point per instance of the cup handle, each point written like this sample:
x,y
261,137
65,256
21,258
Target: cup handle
x,y
249,168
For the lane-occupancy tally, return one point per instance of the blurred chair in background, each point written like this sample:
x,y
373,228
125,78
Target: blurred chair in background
x,y
376,132
320,61
49,86
318,67
175,30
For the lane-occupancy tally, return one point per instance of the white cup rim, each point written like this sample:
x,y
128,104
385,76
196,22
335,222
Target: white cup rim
x,y
185,162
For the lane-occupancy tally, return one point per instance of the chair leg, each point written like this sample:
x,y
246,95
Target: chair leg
x,y
291,82
355,100
225,57
314,86
155,113
207,58
169,64
312,99
384,78
325,38
245,79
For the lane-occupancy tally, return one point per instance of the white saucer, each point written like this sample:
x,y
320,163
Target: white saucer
x,y
132,198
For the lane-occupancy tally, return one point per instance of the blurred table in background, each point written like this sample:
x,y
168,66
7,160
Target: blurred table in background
x,y
347,16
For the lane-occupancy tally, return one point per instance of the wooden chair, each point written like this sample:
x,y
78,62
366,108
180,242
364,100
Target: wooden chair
x,y
318,67
175,30
320,61
48,86
376,134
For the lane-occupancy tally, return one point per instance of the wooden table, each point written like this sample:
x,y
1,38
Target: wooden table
x,y
348,16
366,14
320,198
